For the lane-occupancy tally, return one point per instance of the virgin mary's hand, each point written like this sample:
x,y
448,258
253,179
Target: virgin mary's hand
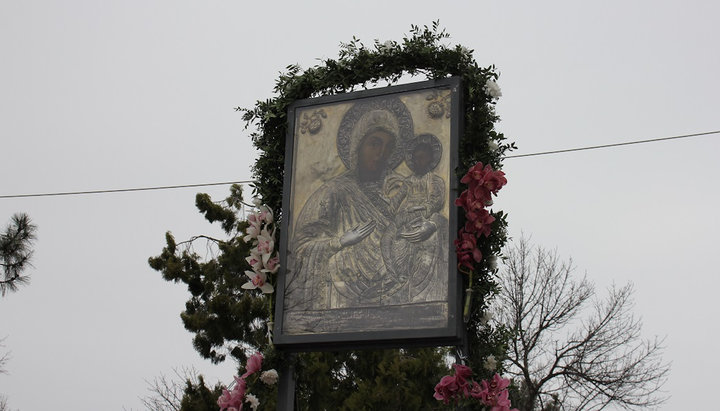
x,y
357,234
420,232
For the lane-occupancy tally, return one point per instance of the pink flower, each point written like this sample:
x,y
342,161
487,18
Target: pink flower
x,y
480,195
233,400
446,389
495,181
253,365
225,399
479,222
272,265
494,394
476,174
482,181
266,244
255,260
466,249
251,232
258,280
498,383
477,391
462,373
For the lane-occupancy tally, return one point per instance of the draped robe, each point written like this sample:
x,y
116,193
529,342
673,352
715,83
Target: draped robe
x,y
324,274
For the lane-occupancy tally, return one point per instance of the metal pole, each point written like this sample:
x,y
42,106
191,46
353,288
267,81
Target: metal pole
x,y
286,389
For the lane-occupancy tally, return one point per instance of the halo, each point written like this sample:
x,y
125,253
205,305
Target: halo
x,y
429,139
348,139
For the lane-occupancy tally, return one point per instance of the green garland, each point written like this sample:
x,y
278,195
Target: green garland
x,y
422,54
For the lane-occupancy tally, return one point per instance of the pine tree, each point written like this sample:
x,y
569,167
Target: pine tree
x,y
16,252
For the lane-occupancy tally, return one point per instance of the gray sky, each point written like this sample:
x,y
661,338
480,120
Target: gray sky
x,y
115,94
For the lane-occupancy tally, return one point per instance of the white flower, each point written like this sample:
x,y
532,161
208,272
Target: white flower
x,y
269,377
252,400
465,50
492,89
490,363
258,280
387,45
492,145
257,202
487,316
252,232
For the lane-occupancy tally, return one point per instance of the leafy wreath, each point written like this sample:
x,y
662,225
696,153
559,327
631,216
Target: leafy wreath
x,y
419,54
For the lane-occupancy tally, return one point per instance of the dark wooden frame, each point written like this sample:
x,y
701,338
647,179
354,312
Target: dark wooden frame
x,y
452,332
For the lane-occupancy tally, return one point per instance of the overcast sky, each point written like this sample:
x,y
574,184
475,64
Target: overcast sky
x,y
119,94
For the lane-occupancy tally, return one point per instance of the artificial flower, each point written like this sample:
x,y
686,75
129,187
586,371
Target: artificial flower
x,y
258,280
272,265
255,260
266,244
462,373
479,222
269,377
492,89
254,363
466,249
233,400
251,232
252,400
490,363
446,389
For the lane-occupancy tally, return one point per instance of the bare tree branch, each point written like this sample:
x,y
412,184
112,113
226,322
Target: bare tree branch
x,y
563,359
166,393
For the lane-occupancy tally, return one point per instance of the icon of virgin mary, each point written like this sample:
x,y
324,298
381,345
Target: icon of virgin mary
x,y
335,246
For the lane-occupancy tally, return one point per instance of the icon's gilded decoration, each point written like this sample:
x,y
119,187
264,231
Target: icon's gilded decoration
x,y
438,105
312,123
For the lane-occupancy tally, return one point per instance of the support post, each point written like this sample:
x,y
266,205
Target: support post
x,y
286,389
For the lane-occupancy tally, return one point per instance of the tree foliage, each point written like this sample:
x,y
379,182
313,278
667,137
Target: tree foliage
x,y
16,252
570,349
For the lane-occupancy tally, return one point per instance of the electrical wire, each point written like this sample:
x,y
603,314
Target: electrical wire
x,y
627,143
123,190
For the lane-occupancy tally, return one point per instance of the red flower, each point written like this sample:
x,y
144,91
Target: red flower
x,y
480,196
495,394
466,249
446,390
483,180
494,181
479,222
476,174
462,373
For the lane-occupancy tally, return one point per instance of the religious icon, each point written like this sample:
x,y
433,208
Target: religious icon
x,y
367,212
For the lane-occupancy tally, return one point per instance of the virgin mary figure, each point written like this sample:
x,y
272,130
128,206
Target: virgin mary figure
x,y
334,251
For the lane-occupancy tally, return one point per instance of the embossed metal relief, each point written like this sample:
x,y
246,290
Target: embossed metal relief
x,y
439,104
312,123
367,218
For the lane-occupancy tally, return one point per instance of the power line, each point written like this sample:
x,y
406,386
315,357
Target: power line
x,y
627,143
123,190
